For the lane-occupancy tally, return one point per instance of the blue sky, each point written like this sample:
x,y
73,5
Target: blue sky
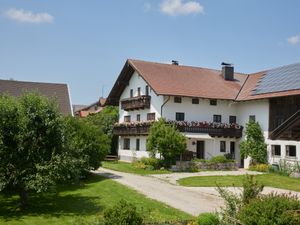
x,y
86,43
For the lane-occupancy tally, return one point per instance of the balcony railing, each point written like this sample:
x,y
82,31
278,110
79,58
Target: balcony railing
x,y
135,103
212,129
130,129
213,132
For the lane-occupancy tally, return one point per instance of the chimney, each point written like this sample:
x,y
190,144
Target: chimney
x,y
227,71
175,62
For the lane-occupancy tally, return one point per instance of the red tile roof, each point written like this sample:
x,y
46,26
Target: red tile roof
x,y
177,80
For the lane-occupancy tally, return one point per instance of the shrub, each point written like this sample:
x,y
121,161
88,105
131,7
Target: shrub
x,y
219,159
139,165
123,213
165,140
208,219
271,209
254,146
260,167
154,162
234,202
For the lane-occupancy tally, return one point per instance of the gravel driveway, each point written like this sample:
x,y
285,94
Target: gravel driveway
x,y
192,200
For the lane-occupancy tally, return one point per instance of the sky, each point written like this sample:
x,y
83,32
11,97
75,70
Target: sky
x,y
86,43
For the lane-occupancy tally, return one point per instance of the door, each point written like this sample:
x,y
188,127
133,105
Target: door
x,y
200,150
232,149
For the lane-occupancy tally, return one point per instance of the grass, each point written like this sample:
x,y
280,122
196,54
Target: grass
x,y
129,168
270,180
72,204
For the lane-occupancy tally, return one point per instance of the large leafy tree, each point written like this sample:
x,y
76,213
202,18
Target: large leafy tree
x,y
86,142
38,148
166,140
105,121
254,145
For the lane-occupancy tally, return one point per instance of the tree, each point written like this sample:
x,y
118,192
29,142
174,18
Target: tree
x,y
105,120
87,142
254,145
166,140
33,155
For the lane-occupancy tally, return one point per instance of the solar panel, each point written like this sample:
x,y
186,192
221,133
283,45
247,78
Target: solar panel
x,y
280,79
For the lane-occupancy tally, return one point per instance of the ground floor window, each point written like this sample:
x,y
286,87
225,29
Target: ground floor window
x,y
137,147
150,116
276,150
179,116
222,146
126,143
291,150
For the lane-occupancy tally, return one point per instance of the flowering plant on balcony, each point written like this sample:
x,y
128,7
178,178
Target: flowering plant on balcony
x,y
204,124
196,124
134,124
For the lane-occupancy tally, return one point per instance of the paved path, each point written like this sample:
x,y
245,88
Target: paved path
x,y
192,200
188,200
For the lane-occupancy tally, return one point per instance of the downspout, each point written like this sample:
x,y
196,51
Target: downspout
x,y
161,108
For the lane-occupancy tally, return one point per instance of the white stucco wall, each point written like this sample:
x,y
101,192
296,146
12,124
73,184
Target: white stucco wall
x,y
199,112
156,101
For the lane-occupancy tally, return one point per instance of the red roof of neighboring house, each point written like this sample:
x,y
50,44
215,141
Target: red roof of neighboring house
x,y
177,80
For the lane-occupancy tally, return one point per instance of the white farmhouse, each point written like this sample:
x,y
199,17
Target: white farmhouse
x,y
210,107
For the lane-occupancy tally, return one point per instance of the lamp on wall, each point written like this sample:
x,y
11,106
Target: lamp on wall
x,y
193,143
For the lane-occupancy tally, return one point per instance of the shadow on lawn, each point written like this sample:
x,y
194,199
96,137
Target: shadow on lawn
x,y
53,204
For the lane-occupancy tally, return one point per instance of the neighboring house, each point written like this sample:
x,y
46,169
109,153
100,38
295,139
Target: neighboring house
x,y
93,108
59,92
211,107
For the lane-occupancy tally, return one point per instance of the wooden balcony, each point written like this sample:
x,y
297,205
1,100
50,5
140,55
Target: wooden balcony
x,y
213,132
143,128
132,130
136,103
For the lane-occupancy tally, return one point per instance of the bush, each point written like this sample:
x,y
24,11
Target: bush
x,y
208,219
219,159
260,167
271,209
233,202
139,165
154,162
123,213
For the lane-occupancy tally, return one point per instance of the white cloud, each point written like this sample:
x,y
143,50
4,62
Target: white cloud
x,y
178,7
294,40
24,16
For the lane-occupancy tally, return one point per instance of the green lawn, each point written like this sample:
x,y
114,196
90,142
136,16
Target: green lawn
x,y
75,203
129,168
271,180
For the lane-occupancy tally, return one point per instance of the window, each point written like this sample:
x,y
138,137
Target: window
x,y
276,150
232,119
127,119
147,90
138,117
150,116
137,144
131,93
290,150
177,99
217,118
195,100
139,91
222,146
179,116
213,102
252,118
126,143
